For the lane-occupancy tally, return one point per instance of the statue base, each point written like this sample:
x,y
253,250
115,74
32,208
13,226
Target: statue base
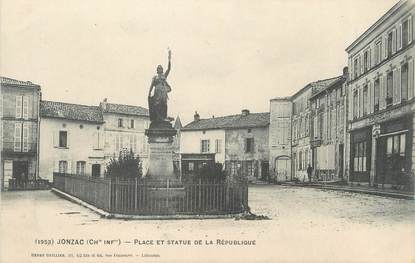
x,y
166,186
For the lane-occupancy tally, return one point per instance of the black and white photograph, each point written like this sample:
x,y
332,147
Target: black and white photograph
x,y
207,131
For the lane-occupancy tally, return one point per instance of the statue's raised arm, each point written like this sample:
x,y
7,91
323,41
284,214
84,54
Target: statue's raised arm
x,y
168,65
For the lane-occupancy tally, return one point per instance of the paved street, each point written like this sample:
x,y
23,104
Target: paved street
x,y
307,225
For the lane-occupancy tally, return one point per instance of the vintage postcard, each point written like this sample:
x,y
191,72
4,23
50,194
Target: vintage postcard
x,y
207,131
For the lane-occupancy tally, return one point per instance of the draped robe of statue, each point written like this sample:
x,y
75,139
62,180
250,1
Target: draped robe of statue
x,y
158,102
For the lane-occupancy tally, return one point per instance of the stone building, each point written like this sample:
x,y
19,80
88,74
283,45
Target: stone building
x,y
71,139
19,130
124,130
300,127
280,139
240,142
381,101
327,128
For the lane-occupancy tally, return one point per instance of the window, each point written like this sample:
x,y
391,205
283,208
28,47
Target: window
x,y
204,146
218,146
366,60
249,168
405,33
120,123
404,82
360,157
17,137
300,160
395,145
390,39
389,89
132,124
63,139
378,52
356,67
355,104
365,101
376,95
249,145
249,130
63,167
80,168
233,168
191,166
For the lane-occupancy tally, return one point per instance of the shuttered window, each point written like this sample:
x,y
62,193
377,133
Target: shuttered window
x,y
19,103
389,89
25,107
25,137
376,90
404,82
17,137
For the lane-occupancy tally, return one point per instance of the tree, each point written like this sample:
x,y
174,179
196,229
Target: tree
x,y
126,166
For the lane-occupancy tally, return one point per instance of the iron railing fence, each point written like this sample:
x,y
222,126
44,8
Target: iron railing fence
x,y
162,197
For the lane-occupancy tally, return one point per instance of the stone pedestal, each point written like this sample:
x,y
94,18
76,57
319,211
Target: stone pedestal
x,y
166,187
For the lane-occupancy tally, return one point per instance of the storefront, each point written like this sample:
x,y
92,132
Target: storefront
x,y
360,155
394,152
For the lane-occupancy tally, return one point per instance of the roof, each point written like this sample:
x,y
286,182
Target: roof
x,y
251,120
318,91
9,81
381,20
77,112
124,109
317,86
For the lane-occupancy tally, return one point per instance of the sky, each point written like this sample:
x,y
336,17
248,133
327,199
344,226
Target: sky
x,y
226,55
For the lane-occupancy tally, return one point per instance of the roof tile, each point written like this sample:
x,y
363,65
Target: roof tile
x,y
61,110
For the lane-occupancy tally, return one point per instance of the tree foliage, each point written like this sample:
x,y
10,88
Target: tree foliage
x,y
126,166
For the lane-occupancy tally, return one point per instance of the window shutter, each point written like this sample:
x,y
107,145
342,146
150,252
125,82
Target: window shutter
x,y
395,86
25,137
410,30
95,140
382,97
370,98
360,66
394,41
411,79
68,139
399,36
25,107
201,146
398,86
17,137
19,106
369,58
55,138
385,49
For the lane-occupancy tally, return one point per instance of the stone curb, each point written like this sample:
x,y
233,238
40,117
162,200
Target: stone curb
x,y
137,217
360,191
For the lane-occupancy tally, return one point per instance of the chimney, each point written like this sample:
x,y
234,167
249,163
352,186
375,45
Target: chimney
x,y
345,71
196,116
245,112
104,104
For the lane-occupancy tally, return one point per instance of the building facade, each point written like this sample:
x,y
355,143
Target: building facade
x,y
239,142
381,101
20,131
71,140
328,130
124,130
280,139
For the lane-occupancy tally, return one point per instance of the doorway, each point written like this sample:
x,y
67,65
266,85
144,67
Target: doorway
x,y
96,170
21,172
265,171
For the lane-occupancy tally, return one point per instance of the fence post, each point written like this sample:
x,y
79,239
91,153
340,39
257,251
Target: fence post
x,y
200,193
109,194
168,193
